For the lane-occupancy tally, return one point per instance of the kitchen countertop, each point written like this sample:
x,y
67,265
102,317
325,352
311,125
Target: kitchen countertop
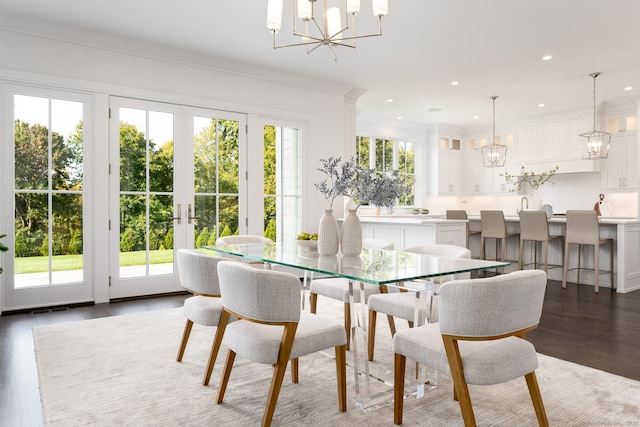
x,y
437,219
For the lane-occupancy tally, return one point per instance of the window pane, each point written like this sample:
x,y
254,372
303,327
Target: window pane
x,y
205,155
66,245
160,151
206,225
133,146
384,155
362,151
160,234
133,235
228,218
31,241
31,142
228,154
67,148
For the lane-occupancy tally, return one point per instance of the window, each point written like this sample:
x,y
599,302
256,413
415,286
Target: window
x,y
282,183
386,155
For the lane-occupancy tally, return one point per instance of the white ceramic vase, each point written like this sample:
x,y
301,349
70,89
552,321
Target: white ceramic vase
x,y
534,201
351,236
328,237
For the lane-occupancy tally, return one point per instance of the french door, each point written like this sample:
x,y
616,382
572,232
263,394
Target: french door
x,y
46,197
174,183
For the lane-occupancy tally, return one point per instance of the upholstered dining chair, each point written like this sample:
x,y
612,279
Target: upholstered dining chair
x,y
198,273
479,339
338,288
403,304
272,328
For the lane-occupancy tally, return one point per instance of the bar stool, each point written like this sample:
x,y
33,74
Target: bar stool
x,y
583,229
462,214
535,227
493,226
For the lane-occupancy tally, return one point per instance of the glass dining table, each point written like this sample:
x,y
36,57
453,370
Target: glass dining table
x,y
389,268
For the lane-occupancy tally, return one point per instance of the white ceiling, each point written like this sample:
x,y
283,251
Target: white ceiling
x,y
492,47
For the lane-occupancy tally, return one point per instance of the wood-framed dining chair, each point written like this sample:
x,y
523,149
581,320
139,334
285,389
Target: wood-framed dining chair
x,y
479,339
272,328
198,273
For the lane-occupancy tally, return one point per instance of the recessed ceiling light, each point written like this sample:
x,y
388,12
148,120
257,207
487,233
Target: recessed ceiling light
x,y
434,110
455,83
541,105
547,58
399,117
628,88
390,100
476,117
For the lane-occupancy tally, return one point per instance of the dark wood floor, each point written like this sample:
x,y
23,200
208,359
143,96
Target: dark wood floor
x,y
597,330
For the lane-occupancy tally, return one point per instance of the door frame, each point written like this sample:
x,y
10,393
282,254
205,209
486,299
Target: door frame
x,y
53,294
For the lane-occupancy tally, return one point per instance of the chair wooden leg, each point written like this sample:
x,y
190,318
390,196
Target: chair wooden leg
x,y
460,384
278,372
536,398
347,323
294,371
400,362
215,347
313,302
392,325
185,338
226,373
341,375
371,334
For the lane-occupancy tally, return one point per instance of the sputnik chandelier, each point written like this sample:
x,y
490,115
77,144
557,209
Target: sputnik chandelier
x,y
321,25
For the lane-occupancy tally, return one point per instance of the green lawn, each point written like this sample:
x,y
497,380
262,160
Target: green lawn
x,y
39,264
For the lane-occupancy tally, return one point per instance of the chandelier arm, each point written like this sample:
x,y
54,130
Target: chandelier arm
x,y
594,75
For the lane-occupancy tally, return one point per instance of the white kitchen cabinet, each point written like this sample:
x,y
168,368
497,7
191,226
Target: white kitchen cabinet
x,y
527,144
553,141
621,122
478,179
450,172
621,166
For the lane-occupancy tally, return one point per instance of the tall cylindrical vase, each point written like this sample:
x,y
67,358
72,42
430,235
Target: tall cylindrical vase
x,y
351,236
328,238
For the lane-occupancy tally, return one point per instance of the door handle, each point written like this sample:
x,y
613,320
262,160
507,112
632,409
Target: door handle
x,y
189,213
177,218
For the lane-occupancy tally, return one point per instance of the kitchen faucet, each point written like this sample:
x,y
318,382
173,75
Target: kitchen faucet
x,y
524,203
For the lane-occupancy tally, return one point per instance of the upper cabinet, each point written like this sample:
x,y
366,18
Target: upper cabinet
x,y
621,122
480,179
556,143
450,166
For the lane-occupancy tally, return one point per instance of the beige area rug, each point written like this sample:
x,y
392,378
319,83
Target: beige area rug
x,y
122,371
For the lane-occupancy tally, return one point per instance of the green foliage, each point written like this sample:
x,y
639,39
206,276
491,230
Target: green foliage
x,y
203,238
518,182
168,239
75,245
270,230
226,231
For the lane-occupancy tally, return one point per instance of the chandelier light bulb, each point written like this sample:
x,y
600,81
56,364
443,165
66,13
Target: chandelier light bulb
x,y
274,15
353,6
304,9
380,7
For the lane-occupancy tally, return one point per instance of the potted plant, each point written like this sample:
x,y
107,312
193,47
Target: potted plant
x,y
532,180
378,190
338,181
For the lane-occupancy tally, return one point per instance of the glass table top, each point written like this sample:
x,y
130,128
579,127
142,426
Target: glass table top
x,y
376,266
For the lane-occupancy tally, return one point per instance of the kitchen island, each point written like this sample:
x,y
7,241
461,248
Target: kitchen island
x,y
415,230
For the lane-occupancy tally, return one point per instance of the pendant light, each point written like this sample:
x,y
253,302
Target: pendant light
x,y
494,154
594,144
